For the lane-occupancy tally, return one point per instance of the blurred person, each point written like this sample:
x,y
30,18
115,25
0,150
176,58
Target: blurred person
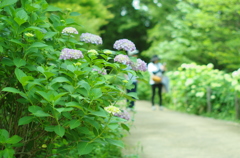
x,y
133,79
155,68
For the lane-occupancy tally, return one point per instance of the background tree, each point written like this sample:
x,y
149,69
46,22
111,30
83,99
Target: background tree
x,y
198,31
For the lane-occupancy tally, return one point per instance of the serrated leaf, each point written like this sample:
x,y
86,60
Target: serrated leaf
x,y
5,3
14,139
19,62
19,74
49,128
50,34
44,95
115,142
124,126
21,16
84,148
25,120
11,89
41,113
7,61
38,45
59,130
74,123
60,79
95,93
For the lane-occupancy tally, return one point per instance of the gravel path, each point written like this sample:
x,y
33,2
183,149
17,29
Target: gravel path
x,y
170,134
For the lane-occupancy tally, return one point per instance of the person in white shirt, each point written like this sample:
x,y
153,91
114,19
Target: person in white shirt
x,y
156,68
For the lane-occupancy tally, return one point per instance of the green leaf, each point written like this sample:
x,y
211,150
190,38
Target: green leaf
x,y
85,85
8,153
25,79
84,148
38,45
17,42
59,130
19,62
19,74
60,79
44,95
125,126
14,139
133,94
115,142
64,109
25,120
49,128
95,93
51,8
74,14
101,113
74,104
71,68
11,89
34,109
21,16
4,135
50,34
5,3
113,126
7,61
41,113
74,123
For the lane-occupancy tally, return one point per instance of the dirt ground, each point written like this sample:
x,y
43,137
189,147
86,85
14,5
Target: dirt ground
x,y
170,134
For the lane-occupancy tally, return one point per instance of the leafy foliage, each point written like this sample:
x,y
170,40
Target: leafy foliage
x,y
199,31
51,107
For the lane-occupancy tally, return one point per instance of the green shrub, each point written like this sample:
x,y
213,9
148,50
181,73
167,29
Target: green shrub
x,y
58,95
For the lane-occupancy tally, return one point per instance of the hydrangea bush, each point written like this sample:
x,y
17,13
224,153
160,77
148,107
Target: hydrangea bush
x,y
193,86
58,99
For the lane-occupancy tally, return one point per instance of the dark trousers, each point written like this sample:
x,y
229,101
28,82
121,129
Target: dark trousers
x,y
134,89
159,87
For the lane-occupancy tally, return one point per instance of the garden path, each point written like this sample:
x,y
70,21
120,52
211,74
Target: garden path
x,y
171,134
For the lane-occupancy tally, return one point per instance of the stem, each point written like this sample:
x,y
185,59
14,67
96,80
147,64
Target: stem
x,y
102,130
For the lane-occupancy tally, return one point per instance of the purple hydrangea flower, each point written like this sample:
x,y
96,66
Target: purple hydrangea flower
x,y
139,65
91,38
69,30
102,71
123,114
67,53
124,44
124,59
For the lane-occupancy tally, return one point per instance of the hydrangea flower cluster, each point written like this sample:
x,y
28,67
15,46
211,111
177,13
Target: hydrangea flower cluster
x,y
112,109
91,38
139,65
124,44
67,53
102,71
93,52
124,59
123,114
107,52
29,34
69,30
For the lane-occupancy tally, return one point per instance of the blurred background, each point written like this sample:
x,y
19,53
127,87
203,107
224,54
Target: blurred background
x,y
198,39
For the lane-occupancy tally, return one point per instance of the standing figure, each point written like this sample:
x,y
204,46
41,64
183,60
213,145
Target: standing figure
x,y
132,78
156,68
